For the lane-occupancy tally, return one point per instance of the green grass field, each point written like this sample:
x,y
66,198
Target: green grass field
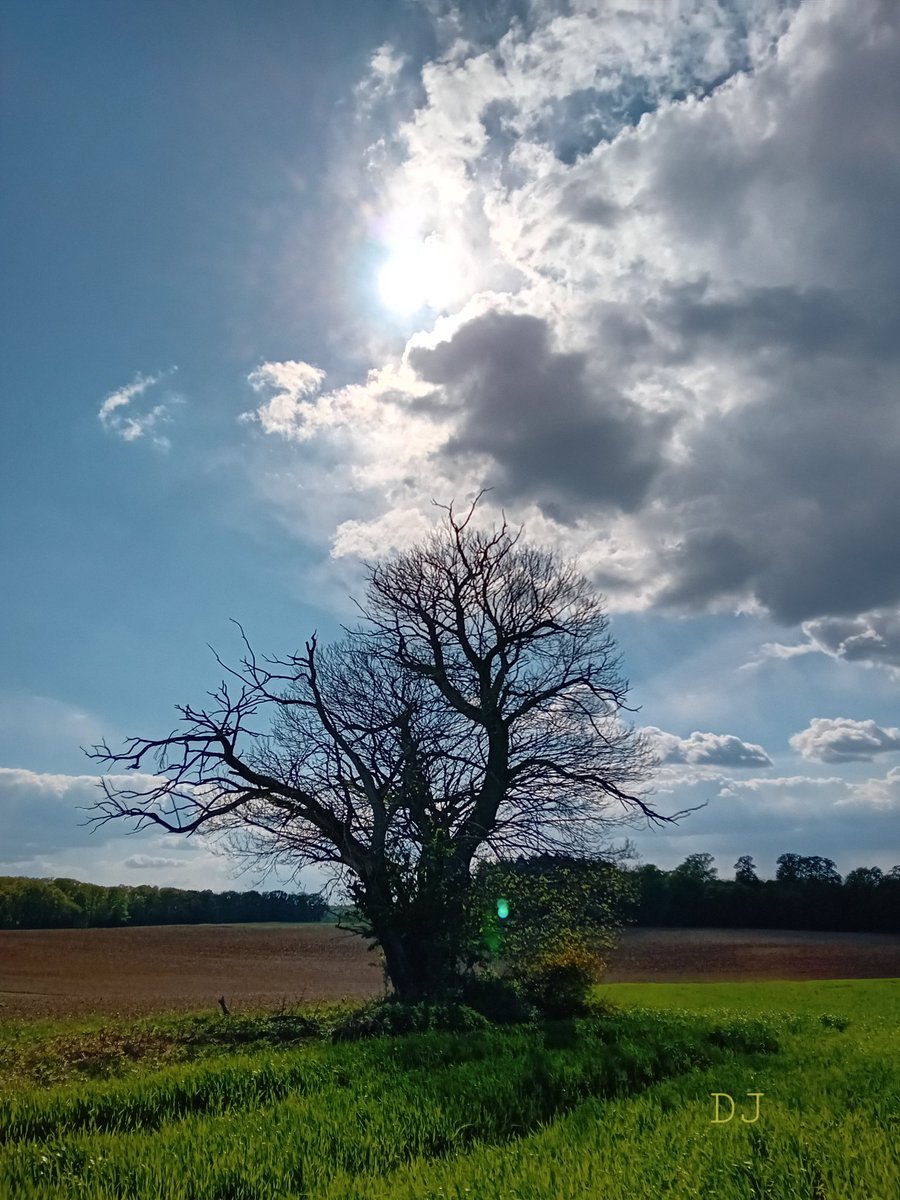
x,y
615,1106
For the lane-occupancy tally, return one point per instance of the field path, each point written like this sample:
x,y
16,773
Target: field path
x,y
61,972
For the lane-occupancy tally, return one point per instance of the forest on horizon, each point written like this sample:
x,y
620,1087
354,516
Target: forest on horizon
x,y
806,893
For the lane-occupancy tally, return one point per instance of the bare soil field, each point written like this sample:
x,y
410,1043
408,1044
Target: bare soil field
x,y
180,968
736,955
77,972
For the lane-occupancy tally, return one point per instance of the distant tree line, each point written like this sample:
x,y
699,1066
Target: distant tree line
x,y
70,904
806,893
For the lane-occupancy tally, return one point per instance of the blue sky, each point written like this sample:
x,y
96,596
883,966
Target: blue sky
x,y
276,275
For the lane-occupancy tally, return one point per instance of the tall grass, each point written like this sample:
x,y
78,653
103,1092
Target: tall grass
x,y
616,1107
279,1125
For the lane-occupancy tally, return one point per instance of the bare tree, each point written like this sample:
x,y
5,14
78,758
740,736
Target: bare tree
x,y
477,711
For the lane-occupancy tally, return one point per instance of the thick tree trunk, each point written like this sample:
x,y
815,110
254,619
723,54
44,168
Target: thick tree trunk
x,y
400,971
421,931
419,966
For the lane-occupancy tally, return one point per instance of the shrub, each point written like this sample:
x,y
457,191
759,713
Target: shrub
x,y
390,1016
830,1021
499,1000
558,981
235,1030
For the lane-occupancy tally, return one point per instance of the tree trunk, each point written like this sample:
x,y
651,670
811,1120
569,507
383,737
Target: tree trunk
x,y
419,966
399,969
420,930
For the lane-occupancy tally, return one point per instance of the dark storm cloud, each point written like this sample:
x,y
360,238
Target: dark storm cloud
x,y
727,267
794,497
779,291
708,563
791,491
556,437
813,169
794,321
872,638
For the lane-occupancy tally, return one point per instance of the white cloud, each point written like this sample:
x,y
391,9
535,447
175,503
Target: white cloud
x,y
44,834
675,354
707,749
45,812
776,650
292,382
126,394
881,795
131,426
785,784
842,739
46,782
386,62
150,862
683,217
394,530
378,91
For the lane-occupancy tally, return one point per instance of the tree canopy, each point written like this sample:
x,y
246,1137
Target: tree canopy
x,y
69,903
478,711
806,894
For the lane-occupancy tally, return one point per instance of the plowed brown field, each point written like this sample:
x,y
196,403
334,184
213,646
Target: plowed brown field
x,y
736,955
63,972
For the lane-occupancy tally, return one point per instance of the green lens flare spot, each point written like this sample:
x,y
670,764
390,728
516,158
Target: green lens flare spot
x,y
502,909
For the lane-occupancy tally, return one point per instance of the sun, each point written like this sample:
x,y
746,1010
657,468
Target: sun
x,y
418,273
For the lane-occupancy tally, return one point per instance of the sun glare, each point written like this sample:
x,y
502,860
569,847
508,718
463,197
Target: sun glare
x,y
419,273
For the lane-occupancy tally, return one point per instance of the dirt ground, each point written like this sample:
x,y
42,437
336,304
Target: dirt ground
x,y
180,968
62,972
735,955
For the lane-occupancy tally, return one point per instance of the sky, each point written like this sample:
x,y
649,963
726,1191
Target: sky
x,y
277,276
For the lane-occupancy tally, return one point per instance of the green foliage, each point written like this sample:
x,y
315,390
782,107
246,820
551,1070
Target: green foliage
x,y
69,903
331,1119
806,868
558,982
393,1016
276,1029
36,904
807,894
499,1000
864,877
564,917
56,1052
831,1021
745,870
621,1108
697,868
417,914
